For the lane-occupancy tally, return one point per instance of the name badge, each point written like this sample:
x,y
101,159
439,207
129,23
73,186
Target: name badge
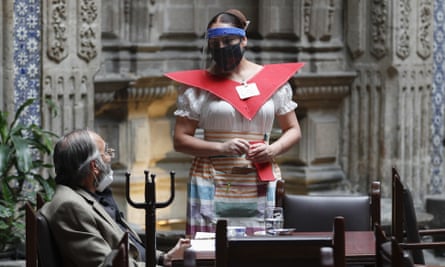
x,y
247,90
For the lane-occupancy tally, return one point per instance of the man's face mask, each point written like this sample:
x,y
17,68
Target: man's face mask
x,y
105,178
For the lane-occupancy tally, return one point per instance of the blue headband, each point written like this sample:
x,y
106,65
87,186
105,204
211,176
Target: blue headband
x,y
225,31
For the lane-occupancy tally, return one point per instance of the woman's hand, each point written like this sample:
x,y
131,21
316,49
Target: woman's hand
x,y
177,252
235,146
260,152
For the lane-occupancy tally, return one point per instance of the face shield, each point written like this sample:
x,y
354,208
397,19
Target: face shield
x,y
223,50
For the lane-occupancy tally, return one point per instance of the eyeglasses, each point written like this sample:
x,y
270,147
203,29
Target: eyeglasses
x,y
111,152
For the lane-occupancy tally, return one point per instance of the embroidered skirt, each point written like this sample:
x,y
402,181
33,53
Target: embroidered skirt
x,y
227,187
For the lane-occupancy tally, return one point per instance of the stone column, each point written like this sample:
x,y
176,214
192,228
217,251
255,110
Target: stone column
x,y
6,55
71,50
318,153
388,113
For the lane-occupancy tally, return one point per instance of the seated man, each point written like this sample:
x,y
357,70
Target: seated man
x,y
83,228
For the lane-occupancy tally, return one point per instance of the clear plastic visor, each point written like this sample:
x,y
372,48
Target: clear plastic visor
x,y
219,38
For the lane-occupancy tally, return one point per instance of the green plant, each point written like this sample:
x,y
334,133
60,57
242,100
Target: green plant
x,y
23,152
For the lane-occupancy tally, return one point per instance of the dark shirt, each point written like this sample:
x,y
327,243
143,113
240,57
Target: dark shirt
x,y
106,199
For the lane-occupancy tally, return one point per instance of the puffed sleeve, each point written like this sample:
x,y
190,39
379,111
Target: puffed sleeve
x,y
189,103
283,100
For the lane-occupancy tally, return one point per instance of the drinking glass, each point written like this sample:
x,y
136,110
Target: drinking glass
x,y
273,220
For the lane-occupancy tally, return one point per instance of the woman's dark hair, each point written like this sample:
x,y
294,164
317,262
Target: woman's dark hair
x,y
231,16
72,155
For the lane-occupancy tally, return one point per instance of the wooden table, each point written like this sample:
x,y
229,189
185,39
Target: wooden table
x,y
359,248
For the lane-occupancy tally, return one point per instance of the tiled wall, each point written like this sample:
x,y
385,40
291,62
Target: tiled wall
x,y
27,69
438,98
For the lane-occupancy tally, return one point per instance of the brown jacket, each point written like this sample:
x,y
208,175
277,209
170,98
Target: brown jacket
x,y
82,229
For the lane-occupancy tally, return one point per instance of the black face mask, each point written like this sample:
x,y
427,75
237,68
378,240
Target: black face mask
x,y
227,57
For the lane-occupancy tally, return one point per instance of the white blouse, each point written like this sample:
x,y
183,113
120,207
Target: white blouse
x,y
214,113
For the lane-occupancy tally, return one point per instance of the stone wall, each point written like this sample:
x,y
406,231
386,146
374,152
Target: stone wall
x,y
387,116
10,94
365,94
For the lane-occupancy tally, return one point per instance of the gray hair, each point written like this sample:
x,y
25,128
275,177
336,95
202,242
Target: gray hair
x,y
72,155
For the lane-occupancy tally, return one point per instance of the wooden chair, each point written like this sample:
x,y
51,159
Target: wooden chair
x,y
31,226
262,251
312,213
404,227
382,247
48,252
31,236
399,257
44,252
389,252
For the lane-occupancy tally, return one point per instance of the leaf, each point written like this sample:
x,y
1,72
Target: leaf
x,y
52,106
7,195
22,153
48,187
20,111
4,159
42,140
5,212
3,126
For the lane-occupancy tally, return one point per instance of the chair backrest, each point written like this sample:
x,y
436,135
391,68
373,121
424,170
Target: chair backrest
x,y
48,252
31,235
383,248
284,251
399,258
308,213
32,218
404,225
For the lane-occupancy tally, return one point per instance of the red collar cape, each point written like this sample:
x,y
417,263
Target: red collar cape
x,y
268,80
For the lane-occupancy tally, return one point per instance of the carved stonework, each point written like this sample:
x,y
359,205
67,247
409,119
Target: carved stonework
x,y
403,48
72,39
144,91
425,25
355,37
379,27
318,19
276,17
322,91
88,31
127,11
57,35
71,98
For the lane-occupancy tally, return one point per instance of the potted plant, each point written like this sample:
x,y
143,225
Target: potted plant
x,y
23,152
